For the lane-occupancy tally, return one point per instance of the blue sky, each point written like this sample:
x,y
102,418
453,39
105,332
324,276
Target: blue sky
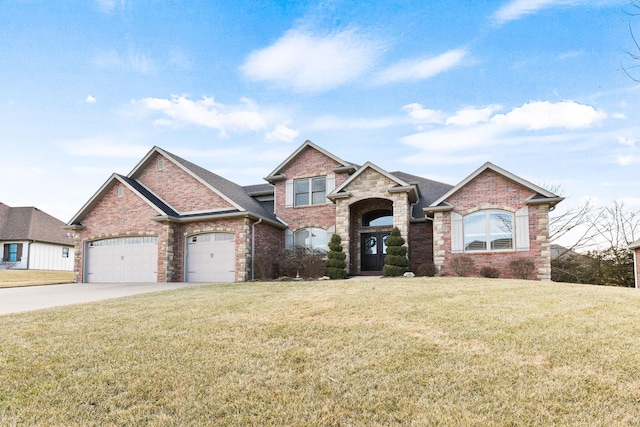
x,y
430,88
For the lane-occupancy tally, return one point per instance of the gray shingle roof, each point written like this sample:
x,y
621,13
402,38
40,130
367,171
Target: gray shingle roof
x,y
30,223
233,191
430,191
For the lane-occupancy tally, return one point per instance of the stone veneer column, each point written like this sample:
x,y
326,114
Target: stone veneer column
x,y
543,260
243,247
438,241
342,228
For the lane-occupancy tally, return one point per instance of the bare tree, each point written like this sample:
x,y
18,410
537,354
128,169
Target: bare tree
x,y
635,55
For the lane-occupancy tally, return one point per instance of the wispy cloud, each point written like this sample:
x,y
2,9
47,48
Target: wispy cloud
x,y
483,128
247,116
108,6
311,63
132,60
423,68
516,9
90,99
101,146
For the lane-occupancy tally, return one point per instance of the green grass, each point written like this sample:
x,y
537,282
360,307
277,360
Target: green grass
x,y
432,351
15,278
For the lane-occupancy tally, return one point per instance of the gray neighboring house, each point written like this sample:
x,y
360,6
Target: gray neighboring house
x,y
31,239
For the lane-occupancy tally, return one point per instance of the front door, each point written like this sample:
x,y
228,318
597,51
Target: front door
x,y
373,247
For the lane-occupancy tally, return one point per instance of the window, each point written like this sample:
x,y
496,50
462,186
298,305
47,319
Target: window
x,y
65,252
311,238
12,252
377,218
310,191
489,230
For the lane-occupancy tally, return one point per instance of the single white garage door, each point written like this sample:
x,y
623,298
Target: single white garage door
x,y
125,259
211,258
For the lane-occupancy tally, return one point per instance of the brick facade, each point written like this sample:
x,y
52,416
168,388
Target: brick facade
x,y
127,213
308,164
490,190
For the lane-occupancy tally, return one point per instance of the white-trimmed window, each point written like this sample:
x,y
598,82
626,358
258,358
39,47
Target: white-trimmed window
x,y
311,238
309,191
490,230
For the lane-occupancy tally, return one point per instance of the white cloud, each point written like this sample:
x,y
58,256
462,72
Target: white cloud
x,y
420,69
423,115
247,116
90,99
109,6
628,160
625,140
538,115
474,128
313,63
282,133
472,116
516,9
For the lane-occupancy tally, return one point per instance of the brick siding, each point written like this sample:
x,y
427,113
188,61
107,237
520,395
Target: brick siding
x,y
490,190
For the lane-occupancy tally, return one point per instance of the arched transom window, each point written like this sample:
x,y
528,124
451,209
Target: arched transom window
x,y
377,218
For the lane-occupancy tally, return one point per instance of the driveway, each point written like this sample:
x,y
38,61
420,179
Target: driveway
x,y
16,300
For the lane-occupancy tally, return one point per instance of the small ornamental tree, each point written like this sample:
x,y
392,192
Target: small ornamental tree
x,y
396,261
336,264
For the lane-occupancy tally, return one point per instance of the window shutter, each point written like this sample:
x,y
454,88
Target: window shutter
x,y
5,253
457,236
522,229
288,239
331,184
288,196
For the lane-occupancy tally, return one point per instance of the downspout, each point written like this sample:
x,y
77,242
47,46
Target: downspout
x,y
33,241
253,248
635,267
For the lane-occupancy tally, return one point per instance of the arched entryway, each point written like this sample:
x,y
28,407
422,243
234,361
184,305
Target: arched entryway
x,y
371,224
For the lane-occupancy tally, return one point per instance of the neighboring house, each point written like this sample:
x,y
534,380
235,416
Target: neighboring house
x,y
34,240
171,220
635,247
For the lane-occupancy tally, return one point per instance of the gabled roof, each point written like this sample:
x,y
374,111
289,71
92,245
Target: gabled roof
x,y
30,223
401,186
144,193
277,175
240,201
634,245
541,195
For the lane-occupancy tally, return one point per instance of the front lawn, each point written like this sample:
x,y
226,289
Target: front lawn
x,y
13,278
424,351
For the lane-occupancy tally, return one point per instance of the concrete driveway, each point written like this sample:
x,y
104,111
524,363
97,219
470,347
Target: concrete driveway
x,y
16,300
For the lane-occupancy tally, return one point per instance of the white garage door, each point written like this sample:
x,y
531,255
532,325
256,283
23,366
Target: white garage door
x,y
211,258
125,259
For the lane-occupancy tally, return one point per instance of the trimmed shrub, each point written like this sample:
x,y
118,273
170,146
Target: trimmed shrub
x,y
428,269
396,261
521,268
335,264
490,272
462,266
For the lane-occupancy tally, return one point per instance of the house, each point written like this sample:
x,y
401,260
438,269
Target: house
x,y
171,220
34,240
635,247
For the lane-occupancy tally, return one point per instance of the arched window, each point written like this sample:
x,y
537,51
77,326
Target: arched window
x,y
377,218
311,238
488,230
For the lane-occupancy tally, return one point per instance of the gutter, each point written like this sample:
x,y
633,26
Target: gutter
x,y
253,248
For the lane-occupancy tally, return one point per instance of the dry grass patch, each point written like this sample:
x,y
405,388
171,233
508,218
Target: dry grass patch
x,y
13,278
428,351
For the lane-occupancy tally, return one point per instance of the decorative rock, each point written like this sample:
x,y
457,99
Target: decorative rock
x,y
408,274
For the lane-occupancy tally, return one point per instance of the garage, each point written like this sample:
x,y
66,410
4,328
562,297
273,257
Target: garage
x,y
123,259
211,258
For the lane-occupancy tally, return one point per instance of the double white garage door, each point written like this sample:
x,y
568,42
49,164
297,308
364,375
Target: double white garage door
x,y
210,258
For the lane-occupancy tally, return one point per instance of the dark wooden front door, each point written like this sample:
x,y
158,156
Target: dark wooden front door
x,y
373,250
